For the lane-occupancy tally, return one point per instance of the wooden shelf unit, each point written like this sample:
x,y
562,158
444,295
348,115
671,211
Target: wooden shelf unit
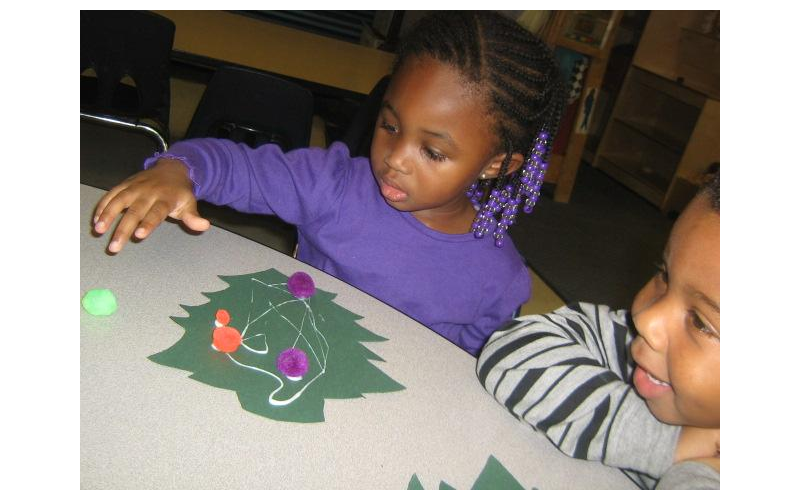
x,y
662,135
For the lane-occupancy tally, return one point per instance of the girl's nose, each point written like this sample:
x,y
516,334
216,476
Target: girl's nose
x,y
397,159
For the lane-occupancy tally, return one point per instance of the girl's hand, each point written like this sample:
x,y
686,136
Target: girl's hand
x,y
148,198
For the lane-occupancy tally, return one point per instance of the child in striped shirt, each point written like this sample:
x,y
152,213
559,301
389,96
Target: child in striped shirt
x,y
637,389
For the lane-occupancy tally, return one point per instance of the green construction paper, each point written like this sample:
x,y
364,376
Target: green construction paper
x,y
99,302
414,484
272,320
493,477
496,477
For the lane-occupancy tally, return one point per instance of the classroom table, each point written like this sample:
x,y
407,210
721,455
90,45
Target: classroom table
x,y
209,36
148,426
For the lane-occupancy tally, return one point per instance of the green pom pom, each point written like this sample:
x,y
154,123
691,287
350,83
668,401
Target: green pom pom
x,y
99,302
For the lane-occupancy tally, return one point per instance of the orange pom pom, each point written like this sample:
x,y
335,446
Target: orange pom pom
x,y
223,317
227,339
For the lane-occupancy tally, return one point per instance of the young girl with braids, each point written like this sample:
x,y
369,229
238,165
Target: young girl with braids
x,y
460,148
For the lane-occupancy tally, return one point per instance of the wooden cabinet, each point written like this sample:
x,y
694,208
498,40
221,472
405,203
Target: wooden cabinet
x,y
663,134
589,33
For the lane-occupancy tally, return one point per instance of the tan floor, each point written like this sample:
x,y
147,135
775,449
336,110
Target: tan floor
x,y
544,298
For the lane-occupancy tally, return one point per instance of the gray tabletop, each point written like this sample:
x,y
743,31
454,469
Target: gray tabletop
x,y
144,425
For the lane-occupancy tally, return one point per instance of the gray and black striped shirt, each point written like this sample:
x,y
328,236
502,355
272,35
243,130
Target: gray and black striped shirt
x,y
567,374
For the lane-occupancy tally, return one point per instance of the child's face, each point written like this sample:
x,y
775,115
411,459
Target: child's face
x,y
432,140
678,321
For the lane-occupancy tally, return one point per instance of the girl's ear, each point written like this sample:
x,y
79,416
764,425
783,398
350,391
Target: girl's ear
x,y
493,169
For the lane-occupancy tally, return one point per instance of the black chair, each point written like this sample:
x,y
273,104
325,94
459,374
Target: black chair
x,y
119,44
254,108
358,136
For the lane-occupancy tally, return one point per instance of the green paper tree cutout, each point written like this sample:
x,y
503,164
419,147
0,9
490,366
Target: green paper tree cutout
x,y
271,320
493,477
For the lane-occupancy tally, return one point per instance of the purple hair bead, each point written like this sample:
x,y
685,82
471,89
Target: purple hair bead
x,y
293,363
505,198
301,285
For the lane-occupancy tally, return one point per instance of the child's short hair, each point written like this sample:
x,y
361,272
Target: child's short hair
x,y
711,186
524,91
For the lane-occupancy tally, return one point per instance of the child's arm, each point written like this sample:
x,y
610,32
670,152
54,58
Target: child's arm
x,y
296,186
702,474
697,462
566,373
147,199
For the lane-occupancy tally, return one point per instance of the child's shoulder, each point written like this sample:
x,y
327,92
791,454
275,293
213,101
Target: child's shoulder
x,y
335,152
572,313
340,150
332,164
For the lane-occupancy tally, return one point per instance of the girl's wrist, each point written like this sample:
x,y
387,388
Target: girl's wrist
x,y
171,164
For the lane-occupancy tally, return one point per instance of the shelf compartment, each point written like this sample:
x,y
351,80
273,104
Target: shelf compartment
x,y
659,110
654,133
648,191
640,155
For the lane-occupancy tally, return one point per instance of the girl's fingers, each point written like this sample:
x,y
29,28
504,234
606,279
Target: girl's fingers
x,y
104,202
155,216
128,224
191,218
146,198
122,189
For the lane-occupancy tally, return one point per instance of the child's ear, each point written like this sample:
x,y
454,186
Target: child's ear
x,y
493,169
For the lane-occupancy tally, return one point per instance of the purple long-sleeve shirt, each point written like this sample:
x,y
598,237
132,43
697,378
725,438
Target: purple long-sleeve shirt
x,y
459,286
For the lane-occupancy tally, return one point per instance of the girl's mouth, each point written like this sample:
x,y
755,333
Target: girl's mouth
x,y
392,193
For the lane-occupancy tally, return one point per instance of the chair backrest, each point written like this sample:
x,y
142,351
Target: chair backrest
x,y
127,43
255,108
358,136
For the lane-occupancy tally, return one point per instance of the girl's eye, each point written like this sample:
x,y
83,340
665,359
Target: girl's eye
x,y
433,155
661,272
388,127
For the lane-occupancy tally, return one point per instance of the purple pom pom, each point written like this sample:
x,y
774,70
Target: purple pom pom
x,y
293,363
301,285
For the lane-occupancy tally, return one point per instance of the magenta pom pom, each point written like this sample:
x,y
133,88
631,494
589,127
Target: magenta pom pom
x,y
293,363
301,285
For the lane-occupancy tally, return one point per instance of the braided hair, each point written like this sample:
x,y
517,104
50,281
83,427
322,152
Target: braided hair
x,y
524,92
